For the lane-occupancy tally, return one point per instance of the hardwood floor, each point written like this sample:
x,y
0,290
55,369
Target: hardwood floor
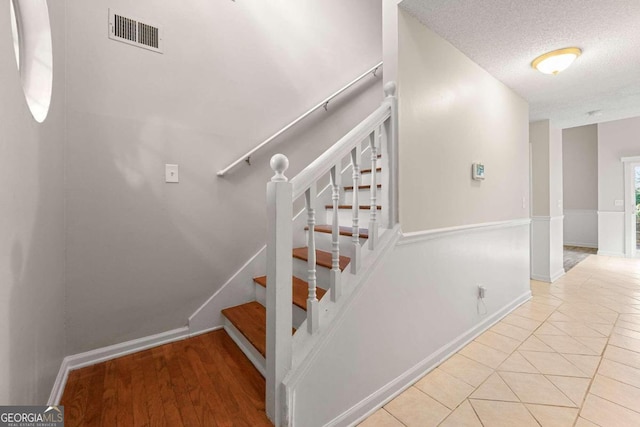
x,y
202,381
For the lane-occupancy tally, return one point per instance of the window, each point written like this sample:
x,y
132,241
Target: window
x,y
31,32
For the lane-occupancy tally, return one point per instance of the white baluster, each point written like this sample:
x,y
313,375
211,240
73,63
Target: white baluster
x,y
312,300
374,141
336,285
355,235
279,290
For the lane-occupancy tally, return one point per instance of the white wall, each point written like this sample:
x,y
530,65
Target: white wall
x,y
580,185
546,188
417,307
452,114
31,227
142,254
616,139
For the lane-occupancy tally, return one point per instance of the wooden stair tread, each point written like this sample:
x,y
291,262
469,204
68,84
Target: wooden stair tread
x,y
369,170
300,290
251,320
344,231
364,207
360,187
322,258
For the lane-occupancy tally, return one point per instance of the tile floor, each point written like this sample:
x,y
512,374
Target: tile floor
x,y
568,357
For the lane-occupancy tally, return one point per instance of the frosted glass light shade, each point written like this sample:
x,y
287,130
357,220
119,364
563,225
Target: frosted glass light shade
x,y
556,61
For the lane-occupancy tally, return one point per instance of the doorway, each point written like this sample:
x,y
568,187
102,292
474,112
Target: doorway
x,y
632,205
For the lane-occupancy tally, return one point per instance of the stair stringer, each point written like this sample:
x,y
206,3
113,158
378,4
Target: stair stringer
x,y
306,347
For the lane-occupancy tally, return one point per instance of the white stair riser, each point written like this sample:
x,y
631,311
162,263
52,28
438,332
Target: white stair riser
x,y
299,315
345,217
364,197
301,271
365,179
323,242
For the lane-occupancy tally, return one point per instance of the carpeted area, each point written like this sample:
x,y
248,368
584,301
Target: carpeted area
x,y
575,254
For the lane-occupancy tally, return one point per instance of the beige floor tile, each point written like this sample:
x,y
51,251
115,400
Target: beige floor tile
x,y
578,329
621,355
625,342
573,388
620,372
616,392
467,370
581,422
608,414
414,408
521,322
517,363
548,328
503,414
627,332
511,331
633,318
587,364
494,388
565,344
559,317
533,343
628,325
445,388
547,300
498,342
484,354
595,344
604,329
381,418
553,416
532,313
535,388
552,364
463,416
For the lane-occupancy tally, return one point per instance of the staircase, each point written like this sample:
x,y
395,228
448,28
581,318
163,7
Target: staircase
x,y
303,282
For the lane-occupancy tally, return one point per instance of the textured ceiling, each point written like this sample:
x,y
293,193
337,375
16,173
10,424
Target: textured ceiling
x,y
504,36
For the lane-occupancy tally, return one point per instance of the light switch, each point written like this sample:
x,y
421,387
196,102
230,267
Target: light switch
x,y
619,202
171,173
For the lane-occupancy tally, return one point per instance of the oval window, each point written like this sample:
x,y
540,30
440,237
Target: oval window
x,y
32,44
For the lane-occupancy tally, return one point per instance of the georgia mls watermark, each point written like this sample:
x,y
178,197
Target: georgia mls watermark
x,y
31,416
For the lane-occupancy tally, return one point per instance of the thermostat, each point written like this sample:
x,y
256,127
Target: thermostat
x,y
478,171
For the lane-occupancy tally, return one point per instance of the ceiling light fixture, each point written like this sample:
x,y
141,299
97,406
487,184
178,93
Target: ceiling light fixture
x,y
556,61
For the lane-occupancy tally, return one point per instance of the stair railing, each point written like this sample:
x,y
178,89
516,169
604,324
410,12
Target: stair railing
x,y
322,104
379,130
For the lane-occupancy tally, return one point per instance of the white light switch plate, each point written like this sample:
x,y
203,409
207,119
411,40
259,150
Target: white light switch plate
x,y
171,173
619,202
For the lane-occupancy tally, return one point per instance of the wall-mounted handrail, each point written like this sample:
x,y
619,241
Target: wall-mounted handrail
x,y
323,104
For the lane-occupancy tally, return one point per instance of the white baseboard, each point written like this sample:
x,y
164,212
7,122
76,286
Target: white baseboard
x,y
388,392
581,244
613,254
92,357
548,279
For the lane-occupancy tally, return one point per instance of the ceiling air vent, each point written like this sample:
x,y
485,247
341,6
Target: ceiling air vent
x,y
134,32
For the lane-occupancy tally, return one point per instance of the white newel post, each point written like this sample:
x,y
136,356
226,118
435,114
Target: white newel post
x,y
391,131
279,287
335,279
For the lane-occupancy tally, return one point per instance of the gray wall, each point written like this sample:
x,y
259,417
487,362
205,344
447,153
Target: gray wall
x,y
31,227
580,185
142,254
452,114
580,167
616,139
